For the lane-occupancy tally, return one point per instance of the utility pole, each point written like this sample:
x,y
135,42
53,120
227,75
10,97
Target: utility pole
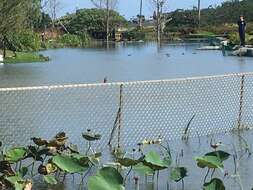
x,y
158,20
140,15
199,13
107,20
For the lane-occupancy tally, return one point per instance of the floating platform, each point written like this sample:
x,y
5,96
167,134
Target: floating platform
x,y
210,48
236,50
243,51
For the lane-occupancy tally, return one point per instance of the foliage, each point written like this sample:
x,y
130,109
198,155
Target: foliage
x,y
154,161
44,22
24,41
235,39
69,163
214,19
13,15
213,160
72,40
91,21
33,13
135,35
214,184
107,179
26,58
50,156
178,174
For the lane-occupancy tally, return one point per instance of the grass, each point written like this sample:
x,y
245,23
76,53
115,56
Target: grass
x,y
25,57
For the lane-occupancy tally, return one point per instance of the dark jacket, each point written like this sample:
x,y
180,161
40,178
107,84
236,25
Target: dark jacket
x,y
241,25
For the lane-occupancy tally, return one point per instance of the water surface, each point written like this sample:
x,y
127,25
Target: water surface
x,y
122,62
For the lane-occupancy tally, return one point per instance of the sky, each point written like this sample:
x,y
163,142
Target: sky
x,y
130,8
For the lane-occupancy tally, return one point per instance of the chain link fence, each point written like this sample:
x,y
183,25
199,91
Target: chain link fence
x,y
130,112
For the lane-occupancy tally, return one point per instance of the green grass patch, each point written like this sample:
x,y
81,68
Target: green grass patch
x,y
26,57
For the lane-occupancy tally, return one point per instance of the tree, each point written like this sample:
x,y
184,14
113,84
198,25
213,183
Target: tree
x,y
108,5
13,16
91,21
34,13
52,7
158,17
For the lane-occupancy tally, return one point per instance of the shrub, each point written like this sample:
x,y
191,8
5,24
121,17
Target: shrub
x,y
72,40
24,41
134,35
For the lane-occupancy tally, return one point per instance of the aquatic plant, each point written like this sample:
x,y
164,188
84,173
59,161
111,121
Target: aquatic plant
x,y
212,161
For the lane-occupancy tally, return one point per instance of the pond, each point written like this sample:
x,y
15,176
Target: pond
x,y
27,114
122,62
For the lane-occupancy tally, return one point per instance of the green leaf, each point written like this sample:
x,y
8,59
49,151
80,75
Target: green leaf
x,y
127,162
214,184
154,161
89,136
68,164
19,185
17,181
14,179
143,170
50,179
209,161
15,154
178,174
220,154
107,178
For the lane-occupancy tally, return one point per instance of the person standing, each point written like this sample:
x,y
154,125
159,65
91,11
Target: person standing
x,y
242,28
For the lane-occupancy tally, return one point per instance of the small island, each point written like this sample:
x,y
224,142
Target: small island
x,y
24,57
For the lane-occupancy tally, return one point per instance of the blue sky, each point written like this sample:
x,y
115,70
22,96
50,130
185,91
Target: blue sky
x,y
130,8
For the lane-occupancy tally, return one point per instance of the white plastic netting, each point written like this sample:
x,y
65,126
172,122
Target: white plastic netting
x,y
149,109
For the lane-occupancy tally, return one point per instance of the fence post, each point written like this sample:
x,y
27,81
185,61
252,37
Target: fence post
x,y
241,101
120,114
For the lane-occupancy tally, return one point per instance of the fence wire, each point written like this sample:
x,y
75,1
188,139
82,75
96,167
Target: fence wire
x,y
136,110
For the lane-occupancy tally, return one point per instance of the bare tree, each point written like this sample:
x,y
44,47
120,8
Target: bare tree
x,y
158,17
108,5
52,7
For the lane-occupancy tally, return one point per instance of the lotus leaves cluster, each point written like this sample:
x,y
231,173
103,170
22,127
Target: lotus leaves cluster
x,y
212,161
48,158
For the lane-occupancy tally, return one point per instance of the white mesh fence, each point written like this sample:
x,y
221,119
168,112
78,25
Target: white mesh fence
x,y
148,109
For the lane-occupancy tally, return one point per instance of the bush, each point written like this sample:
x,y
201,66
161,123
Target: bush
x,y
134,35
235,39
24,41
72,40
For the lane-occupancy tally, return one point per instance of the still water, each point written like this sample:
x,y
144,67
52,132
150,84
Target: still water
x,y
122,62
39,113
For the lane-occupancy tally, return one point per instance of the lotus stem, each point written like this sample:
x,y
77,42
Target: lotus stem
x,y
206,175
32,168
127,175
20,165
89,146
83,177
157,180
213,173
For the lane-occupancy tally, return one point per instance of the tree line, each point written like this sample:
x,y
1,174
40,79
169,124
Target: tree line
x,y
226,13
37,15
